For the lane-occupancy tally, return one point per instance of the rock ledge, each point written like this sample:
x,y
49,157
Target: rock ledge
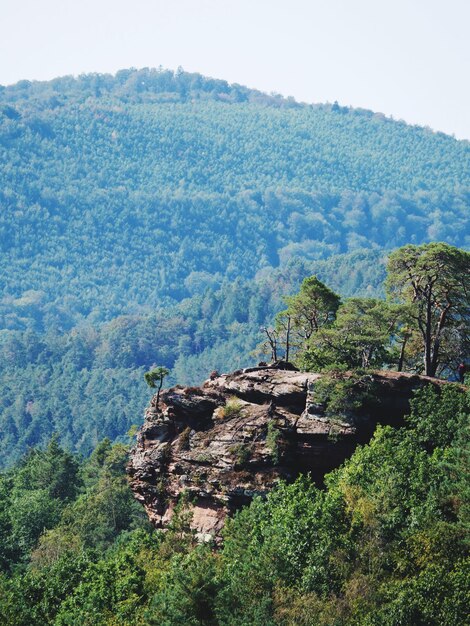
x,y
239,433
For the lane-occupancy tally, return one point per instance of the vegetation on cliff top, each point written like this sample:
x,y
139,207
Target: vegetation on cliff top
x,y
422,327
87,383
159,217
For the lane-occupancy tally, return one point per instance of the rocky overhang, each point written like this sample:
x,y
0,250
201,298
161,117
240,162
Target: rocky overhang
x,y
238,434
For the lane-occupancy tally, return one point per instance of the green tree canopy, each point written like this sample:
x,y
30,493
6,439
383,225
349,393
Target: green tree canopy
x,y
313,307
435,280
361,336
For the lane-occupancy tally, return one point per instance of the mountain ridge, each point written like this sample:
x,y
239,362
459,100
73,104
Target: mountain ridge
x,y
102,81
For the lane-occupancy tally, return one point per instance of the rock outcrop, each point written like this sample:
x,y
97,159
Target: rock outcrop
x,y
239,433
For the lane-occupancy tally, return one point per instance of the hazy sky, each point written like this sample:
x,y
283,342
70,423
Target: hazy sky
x,y
406,58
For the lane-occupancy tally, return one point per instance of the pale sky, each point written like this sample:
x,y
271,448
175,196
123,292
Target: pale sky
x,y
406,58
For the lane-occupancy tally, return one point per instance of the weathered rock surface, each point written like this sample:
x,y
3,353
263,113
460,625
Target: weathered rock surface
x,y
239,433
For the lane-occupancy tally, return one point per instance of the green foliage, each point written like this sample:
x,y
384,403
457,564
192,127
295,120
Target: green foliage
x,y
233,407
242,453
136,182
433,280
312,184
148,188
424,326
272,442
437,415
363,335
33,499
368,550
385,542
52,470
69,559
154,378
313,307
88,383
187,592
346,394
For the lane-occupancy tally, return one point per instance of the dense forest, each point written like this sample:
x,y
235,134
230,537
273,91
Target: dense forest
x,y
87,382
385,543
122,193
157,217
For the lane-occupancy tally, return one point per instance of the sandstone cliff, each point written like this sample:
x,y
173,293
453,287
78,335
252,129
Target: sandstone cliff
x,y
239,433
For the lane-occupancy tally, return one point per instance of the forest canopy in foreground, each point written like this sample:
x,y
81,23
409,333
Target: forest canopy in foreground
x,y
384,544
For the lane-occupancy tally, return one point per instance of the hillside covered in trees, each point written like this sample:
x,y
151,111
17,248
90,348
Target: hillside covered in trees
x,y
159,217
123,192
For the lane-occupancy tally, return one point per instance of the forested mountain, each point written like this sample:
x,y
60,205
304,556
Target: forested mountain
x,y
159,217
114,190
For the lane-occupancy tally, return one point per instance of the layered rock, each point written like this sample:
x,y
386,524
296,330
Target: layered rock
x,y
238,434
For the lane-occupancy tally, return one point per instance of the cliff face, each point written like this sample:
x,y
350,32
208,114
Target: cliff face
x,y
239,433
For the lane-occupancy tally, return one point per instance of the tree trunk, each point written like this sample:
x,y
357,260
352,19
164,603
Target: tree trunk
x,y
437,340
427,339
287,339
402,354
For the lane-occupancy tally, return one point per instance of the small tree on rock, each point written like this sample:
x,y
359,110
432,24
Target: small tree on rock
x,y
154,379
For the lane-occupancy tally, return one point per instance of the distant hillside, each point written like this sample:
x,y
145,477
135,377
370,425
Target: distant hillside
x,y
159,217
116,190
88,382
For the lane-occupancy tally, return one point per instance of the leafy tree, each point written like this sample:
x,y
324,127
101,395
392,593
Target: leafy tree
x,y
54,470
360,337
383,542
319,192
44,483
312,308
369,549
187,592
8,547
31,513
434,279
